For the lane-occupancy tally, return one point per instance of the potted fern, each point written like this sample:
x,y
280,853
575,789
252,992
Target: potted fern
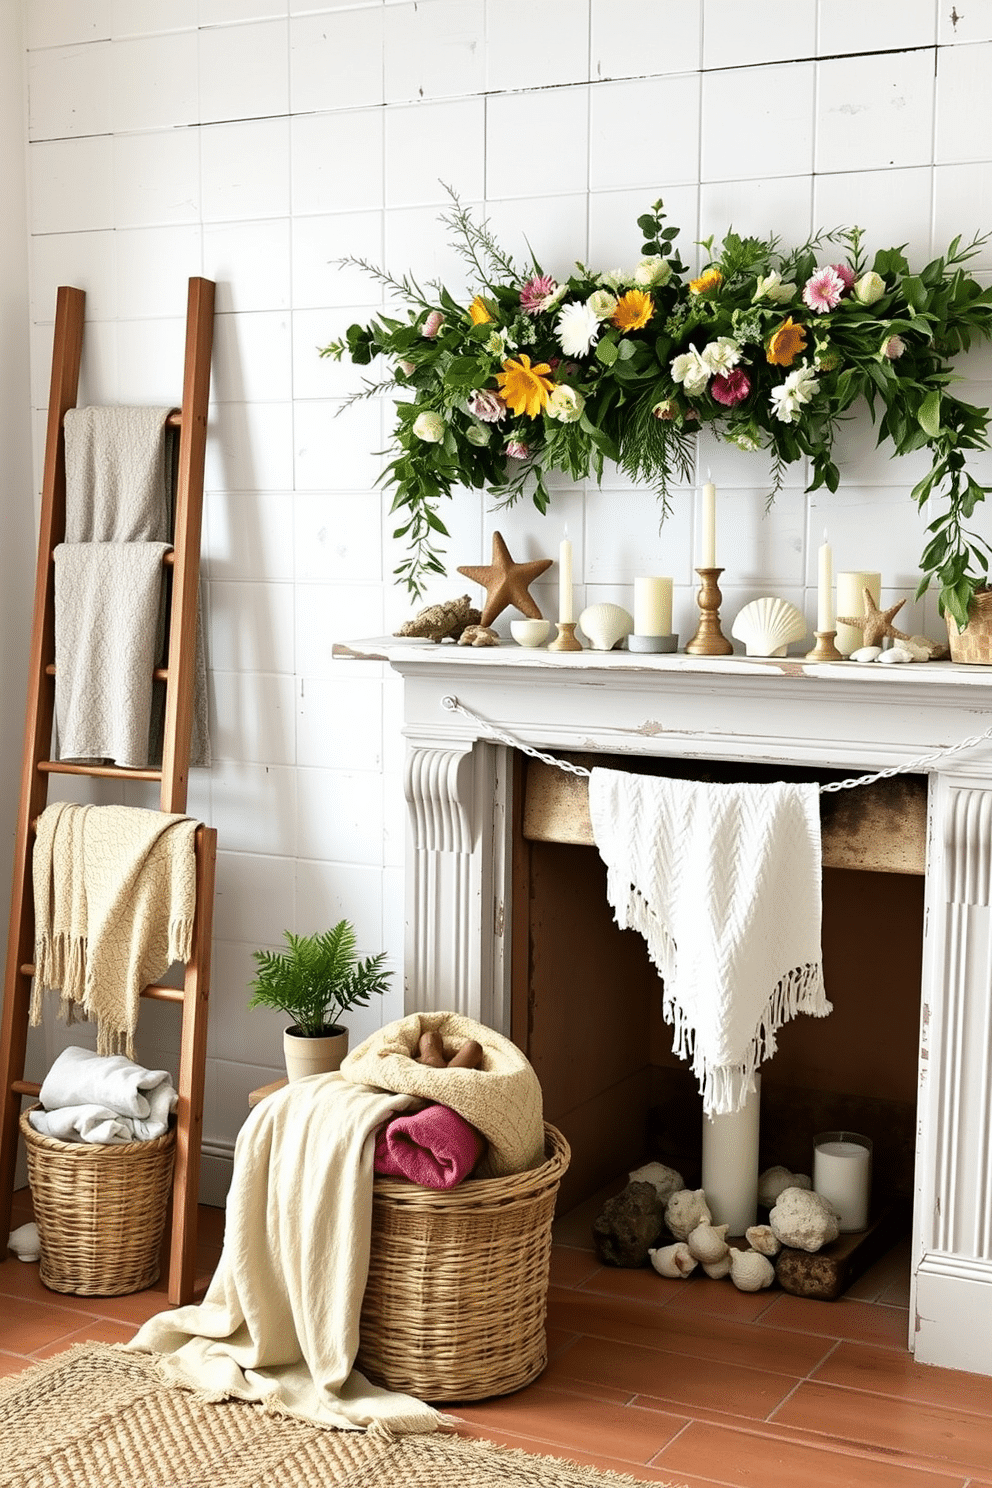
x,y
314,981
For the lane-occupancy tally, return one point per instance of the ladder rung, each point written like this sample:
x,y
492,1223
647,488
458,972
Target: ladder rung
x,y
105,772
160,674
168,558
155,992
25,1087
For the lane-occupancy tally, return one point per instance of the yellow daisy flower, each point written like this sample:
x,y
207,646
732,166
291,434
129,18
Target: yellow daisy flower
x,y
785,344
525,389
634,310
706,283
479,312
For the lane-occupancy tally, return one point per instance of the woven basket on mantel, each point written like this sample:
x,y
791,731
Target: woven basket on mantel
x,y
455,1302
100,1210
974,643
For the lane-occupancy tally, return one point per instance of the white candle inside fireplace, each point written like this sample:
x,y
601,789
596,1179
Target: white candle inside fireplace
x,y
708,545
653,607
842,1176
825,587
730,1164
565,581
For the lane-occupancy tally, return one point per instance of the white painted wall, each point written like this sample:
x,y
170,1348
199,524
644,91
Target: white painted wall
x,y
256,140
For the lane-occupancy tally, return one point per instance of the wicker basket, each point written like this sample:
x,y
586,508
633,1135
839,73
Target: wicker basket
x,y
457,1291
974,643
100,1210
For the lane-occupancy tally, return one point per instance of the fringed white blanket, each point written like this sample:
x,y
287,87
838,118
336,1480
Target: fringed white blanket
x,y
114,899
723,882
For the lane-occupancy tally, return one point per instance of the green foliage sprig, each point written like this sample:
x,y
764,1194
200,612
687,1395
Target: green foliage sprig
x,y
318,978
770,347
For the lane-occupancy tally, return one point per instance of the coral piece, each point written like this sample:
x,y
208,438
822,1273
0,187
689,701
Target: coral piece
x,y
750,1271
673,1260
766,626
774,1180
762,1238
717,1270
439,622
605,625
666,1180
875,624
629,1225
708,1242
685,1210
506,583
478,635
803,1220
936,650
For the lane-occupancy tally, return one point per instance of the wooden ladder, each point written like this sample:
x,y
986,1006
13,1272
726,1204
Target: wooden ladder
x,y
178,675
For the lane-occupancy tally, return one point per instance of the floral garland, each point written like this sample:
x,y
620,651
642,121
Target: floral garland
x,y
770,348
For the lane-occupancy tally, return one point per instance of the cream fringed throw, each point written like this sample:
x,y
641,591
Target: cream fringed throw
x,y
280,1319
114,899
723,882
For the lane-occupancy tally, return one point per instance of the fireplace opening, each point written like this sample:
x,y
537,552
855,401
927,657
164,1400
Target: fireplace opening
x,y
586,1001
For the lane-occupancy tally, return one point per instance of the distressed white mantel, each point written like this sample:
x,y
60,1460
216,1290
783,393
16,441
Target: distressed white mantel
x,y
776,712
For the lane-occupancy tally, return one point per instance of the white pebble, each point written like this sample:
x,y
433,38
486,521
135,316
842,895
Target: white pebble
x,y
865,653
895,656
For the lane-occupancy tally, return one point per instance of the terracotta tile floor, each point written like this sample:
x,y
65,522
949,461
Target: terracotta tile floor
x,y
682,1382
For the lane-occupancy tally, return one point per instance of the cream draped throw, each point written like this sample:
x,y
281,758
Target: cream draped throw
x,y
114,900
280,1320
723,881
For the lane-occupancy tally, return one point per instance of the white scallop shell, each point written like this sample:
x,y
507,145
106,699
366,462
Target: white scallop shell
x,y
605,624
766,626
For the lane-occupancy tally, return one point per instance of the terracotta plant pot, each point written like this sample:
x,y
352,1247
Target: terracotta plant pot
x,y
313,1056
974,643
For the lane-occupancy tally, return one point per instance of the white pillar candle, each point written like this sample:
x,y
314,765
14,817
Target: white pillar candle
x,y
825,587
730,1164
565,613
842,1176
708,545
653,607
851,588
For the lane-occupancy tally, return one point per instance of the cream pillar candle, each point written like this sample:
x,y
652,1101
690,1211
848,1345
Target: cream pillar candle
x,y
730,1164
708,544
851,588
565,612
653,607
842,1176
825,587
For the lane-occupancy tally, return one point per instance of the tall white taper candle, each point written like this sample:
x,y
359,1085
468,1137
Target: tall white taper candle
x,y
708,544
565,581
825,587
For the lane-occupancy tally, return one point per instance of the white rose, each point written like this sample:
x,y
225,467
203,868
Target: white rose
x,y
652,270
869,288
477,434
565,404
602,303
429,427
771,287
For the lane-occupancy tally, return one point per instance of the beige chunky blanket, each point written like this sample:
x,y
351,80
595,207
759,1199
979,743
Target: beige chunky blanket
x,y
280,1320
114,899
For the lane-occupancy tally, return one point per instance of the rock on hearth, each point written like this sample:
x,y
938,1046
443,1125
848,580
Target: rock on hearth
x,y
628,1225
803,1220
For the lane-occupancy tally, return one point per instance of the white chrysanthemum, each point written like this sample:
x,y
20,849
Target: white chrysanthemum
x,y
577,329
602,303
721,355
796,391
652,272
691,371
565,404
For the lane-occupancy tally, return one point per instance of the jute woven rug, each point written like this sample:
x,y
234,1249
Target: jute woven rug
x,y
98,1417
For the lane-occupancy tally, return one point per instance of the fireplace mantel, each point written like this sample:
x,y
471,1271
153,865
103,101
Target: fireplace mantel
x,y
786,712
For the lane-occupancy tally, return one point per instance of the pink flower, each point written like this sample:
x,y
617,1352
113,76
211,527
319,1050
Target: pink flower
x,y
487,406
823,291
516,449
537,294
843,272
730,388
433,323
893,347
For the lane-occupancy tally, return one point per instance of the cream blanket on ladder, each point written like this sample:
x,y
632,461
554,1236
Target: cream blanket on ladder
x,y
114,900
723,882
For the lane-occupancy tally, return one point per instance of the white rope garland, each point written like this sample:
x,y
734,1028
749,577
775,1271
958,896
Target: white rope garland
x,y
912,767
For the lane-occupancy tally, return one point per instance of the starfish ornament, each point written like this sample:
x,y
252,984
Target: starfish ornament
x,y
875,624
506,583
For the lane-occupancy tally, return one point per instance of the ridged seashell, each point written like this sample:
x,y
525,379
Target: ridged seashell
x,y
750,1271
766,626
672,1260
605,624
717,1270
708,1243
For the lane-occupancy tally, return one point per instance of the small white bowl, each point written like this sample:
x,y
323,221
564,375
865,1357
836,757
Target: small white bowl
x,y
530,632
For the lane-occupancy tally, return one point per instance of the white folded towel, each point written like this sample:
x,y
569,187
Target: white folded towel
x,y
83,1124
81,1078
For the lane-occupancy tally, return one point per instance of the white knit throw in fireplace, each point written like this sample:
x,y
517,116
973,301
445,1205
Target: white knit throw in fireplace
x,y
723,882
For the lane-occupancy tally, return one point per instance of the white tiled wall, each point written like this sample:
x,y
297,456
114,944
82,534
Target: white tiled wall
x,y
256,141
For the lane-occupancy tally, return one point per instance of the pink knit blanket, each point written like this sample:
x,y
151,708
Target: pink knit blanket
x,y
434,1147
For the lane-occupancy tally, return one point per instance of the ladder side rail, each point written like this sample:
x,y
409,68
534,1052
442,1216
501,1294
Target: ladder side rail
x,y
192,1065
188,523
39,717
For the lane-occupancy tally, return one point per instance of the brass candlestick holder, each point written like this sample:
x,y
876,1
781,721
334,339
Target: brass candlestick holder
x,y
825,650
709,639
565,639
